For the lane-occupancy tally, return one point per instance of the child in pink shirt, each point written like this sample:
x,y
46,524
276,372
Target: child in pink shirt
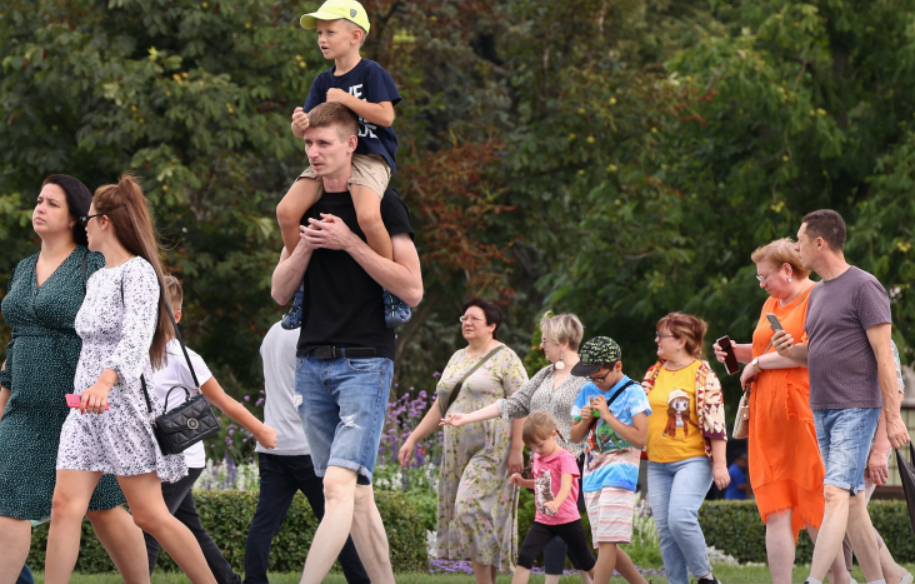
x,y
555,493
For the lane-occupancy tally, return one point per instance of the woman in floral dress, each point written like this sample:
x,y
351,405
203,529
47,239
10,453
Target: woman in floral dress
x,y
477,507
45,292
124,326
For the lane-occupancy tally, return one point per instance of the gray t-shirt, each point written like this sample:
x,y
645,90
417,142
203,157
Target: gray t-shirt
x,y
840,360
281,407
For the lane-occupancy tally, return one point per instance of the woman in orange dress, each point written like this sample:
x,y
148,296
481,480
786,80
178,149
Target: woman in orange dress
x,y
786,471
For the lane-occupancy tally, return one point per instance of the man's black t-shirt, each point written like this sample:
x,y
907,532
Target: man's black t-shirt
x,y
343,305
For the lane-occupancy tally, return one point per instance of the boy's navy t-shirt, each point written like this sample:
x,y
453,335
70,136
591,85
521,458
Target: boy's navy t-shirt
x,y
369,82
343,306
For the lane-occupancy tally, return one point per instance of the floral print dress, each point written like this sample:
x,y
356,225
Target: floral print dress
x,y
477,507
116,323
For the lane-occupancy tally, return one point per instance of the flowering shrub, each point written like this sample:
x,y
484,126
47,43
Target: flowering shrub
x,y
228,475
421,474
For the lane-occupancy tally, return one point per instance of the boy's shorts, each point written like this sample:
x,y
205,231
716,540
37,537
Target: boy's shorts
x,y
610,512
369,170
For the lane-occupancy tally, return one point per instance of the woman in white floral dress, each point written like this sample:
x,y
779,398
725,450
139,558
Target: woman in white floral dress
x,y
477,507
123,324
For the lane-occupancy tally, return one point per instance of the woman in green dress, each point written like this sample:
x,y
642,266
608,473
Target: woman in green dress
x,y
44,294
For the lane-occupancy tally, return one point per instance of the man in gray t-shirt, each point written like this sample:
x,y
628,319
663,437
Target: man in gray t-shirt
x,y
287,468
848,353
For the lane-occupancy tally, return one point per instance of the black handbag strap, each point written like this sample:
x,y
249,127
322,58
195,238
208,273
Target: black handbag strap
x,y
457,387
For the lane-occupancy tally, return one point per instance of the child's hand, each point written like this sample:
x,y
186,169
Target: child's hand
x,y
586,413
551,507
599,403
335,95
267,437
515,480
300,119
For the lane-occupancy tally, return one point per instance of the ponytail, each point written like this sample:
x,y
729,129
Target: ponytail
x,y
128,210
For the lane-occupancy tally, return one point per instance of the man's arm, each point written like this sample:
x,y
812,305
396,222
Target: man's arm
x,y
879,337
289,271
401,277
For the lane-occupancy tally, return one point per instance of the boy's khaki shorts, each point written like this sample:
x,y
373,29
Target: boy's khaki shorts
x,y
369,170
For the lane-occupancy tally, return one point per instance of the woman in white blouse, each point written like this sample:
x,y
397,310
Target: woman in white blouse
x,y
124,326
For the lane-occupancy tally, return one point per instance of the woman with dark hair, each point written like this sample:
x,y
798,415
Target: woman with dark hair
x,y
686,444
124,325
477,506
44,294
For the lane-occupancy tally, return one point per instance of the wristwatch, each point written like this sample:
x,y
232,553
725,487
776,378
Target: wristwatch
x,y
755,363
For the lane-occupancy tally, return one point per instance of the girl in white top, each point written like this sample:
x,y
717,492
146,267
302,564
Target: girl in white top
x,y
179,495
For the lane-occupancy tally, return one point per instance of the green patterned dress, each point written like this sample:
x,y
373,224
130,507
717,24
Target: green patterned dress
x,y
40,363
477,507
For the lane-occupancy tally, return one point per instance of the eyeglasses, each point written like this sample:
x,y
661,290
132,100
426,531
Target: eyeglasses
x,y
600,379
762,279
84,220
658,336
466,318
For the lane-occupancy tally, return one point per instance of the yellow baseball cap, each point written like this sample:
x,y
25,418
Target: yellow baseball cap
x,y
338,10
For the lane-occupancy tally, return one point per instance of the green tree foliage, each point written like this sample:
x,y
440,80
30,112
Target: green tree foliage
x,y
616,159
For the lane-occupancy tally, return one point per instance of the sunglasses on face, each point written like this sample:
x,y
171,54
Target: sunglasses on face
x,y
84,220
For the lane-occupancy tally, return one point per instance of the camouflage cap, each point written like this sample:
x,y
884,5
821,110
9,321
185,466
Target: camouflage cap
x,y
594,354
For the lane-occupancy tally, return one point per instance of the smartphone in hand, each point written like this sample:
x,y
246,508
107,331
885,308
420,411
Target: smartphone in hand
x,y
73,401
773,322
730,360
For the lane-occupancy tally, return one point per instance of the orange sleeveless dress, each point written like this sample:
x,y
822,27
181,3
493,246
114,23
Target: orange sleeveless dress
x,y
786,471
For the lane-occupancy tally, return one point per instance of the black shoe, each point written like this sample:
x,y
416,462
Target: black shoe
x,y
711,580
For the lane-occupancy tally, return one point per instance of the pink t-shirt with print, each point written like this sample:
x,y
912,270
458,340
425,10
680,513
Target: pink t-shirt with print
x,y
548,471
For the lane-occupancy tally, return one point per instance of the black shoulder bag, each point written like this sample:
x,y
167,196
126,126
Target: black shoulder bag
x,y
178,429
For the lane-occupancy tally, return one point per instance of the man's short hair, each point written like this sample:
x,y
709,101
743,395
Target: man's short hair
x,y
334,115
827,224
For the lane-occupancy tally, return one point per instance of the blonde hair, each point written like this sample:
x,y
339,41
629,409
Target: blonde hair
x,y
538,427
174,292
687,327
778,253
562,328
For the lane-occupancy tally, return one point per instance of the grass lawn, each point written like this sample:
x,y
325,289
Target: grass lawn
x,y
727,574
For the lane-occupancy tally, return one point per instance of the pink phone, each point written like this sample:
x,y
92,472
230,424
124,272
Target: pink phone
x,y
74,400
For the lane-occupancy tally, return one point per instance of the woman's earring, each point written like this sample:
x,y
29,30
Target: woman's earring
x,y
560,365
789,279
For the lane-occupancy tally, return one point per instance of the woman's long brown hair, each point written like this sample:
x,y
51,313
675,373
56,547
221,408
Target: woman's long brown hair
x,y
126,207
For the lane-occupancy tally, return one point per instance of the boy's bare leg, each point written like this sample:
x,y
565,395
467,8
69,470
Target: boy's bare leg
x,y
299,198
627,569
368,212
606,562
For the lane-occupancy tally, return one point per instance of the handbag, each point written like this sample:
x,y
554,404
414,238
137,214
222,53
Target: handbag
x,y
742,421
178,429
444,404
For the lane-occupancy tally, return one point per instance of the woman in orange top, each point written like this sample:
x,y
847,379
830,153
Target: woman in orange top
x,y
786,471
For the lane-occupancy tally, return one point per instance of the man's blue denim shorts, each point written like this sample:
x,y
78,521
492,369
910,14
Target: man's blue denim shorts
x,y
343,408
845,438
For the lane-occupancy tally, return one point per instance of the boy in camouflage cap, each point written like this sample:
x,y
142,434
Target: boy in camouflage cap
x,y
612,412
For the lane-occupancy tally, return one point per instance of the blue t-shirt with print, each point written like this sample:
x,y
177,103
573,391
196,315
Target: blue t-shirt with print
x,y
611,460
369,82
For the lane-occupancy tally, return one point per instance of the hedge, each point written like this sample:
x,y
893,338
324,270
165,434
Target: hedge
x,y
735,528
227,515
